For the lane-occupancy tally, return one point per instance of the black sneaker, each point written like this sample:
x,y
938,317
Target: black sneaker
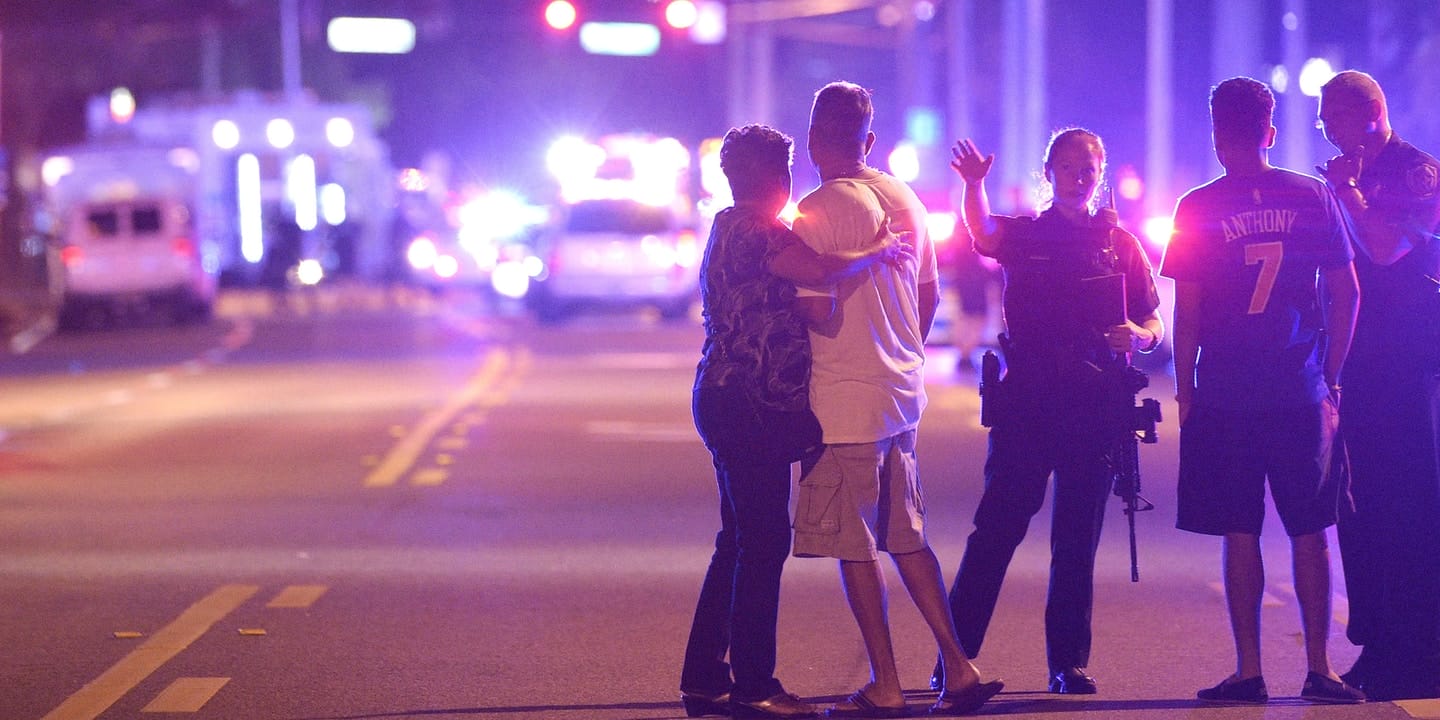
x,y
1360,672
1321,689
1236,692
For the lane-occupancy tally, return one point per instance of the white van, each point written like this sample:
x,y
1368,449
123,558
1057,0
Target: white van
x,y
139,254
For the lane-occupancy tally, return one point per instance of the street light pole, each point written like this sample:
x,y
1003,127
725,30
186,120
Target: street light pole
x,y
1159,106
1023,132
290,47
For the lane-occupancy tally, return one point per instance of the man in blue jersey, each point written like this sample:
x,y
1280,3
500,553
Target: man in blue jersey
x,y
1257,360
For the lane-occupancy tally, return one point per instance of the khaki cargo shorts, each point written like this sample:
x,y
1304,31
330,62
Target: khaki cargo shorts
x,y
857,500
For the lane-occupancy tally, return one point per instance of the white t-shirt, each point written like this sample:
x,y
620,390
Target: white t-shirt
x,y
867,380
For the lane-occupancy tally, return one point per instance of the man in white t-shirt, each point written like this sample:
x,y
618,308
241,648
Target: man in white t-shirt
x,y
862,495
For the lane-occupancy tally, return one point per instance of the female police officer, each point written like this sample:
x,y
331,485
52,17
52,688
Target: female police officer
x,y
1069,322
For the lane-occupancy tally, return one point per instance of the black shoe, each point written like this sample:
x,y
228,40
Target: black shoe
x,y
779,705
1321,689
698,705
1071,681
1383,689
1361,671
1236,692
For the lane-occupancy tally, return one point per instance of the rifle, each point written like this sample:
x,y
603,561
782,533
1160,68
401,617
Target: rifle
x,y
1131,424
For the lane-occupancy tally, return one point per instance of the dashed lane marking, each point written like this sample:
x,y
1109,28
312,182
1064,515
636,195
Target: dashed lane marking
x,y
429,477
405,452
186,694
652,432
122,677
455,442
297,596
643,361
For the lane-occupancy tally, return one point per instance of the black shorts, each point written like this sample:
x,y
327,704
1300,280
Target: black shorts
x,y
1227,455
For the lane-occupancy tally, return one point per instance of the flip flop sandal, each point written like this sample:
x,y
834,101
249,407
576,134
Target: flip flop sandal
x,y
964,702
863,707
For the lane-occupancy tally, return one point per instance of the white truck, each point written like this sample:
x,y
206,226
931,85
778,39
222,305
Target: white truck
x,y
124,215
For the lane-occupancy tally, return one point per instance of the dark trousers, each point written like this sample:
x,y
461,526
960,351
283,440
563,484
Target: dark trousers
x,y
740,597
1390,542
1021,460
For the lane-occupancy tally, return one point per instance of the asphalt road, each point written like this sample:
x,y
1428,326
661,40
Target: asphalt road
x,y
388,506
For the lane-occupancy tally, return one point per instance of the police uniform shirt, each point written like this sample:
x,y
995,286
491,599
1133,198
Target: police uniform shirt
x,y
1400,303
1055,315
1255,244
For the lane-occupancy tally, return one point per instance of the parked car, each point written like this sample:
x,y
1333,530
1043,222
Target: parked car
x,y
617,252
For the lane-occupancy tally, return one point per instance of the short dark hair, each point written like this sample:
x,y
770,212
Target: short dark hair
x,y
1242,110
841,114
752,156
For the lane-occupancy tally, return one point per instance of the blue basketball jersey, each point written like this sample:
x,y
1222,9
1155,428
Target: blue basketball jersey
x,y
1256,244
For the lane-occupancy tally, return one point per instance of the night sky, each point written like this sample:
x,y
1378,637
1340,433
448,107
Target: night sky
x,y
489,85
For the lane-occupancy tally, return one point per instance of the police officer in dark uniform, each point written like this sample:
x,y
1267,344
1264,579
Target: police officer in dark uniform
x,y
1079,295
1390,544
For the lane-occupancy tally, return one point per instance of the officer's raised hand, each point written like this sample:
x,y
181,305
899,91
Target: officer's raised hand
x,y
969,163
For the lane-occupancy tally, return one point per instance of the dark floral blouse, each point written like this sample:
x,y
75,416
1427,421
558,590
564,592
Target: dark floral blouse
x,y
753,335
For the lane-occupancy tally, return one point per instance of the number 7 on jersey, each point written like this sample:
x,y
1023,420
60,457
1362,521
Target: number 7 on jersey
x,y
1268,255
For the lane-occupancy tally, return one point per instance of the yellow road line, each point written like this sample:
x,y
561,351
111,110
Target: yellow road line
x,y
1422,709
405,452
499,394
186,694
297,596
429,477
122,677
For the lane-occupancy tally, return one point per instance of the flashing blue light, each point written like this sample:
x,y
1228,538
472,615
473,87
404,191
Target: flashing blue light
x,y
922,126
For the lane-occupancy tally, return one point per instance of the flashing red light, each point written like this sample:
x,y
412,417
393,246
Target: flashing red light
x,y
1131,188
182,247
72,255
561,14
1129,184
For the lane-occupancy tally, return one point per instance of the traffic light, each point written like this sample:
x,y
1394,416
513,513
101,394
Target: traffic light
x,y
561,14
681,14
702,21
